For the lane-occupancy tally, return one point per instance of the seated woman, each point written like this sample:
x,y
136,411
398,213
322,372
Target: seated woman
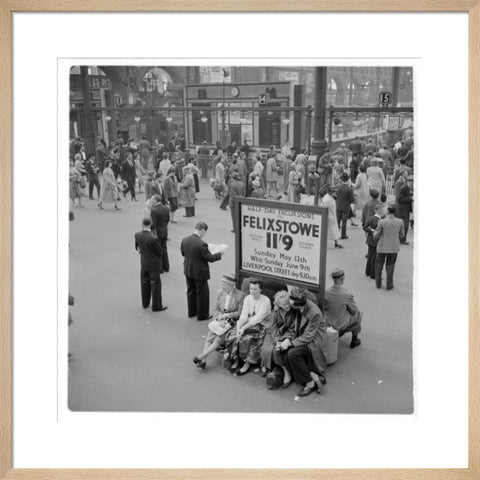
x,y
279,330
228,306
244,342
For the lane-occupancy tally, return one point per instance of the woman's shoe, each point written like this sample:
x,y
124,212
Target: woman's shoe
x,y
338,245
286,384
233,368
263,372
116,208
100,206
241,372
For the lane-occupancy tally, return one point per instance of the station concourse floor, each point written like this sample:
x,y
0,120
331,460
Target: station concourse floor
x,y
127,359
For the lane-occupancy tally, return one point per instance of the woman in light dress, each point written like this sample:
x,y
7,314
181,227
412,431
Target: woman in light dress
x,y
328,201
361,188
109,190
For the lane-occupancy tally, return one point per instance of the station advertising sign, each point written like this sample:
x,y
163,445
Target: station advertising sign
x,y
282,241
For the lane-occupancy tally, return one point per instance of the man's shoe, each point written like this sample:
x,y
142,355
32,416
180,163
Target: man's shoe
x,y
355,342
344,238
405,243
161,309
208,318
389,288
306,390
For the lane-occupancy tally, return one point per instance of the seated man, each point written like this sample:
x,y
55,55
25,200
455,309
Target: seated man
x,y
304,352
341,313
244,341
228,306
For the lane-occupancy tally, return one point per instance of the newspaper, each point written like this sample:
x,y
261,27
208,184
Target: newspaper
x,y
214,248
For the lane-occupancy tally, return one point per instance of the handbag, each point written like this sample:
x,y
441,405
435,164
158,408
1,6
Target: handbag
x,y
215,327
274,378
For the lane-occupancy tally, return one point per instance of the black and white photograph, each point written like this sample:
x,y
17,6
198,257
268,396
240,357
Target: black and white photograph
x,y
241,238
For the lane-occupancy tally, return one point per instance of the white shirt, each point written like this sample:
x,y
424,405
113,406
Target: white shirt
x,y
255,311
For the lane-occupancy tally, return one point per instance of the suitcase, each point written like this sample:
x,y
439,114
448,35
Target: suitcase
x,y
274,378
332,345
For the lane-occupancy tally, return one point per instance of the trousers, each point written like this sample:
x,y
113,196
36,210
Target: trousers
x,y
406,222
389,260
93,182
151,288
342,218
296,359
198,298
370,266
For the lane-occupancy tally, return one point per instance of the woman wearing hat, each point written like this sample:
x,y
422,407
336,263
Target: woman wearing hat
x,y
228,307
257,191
187,188
328,201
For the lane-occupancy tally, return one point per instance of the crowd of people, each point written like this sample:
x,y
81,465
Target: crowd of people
x,y
284,333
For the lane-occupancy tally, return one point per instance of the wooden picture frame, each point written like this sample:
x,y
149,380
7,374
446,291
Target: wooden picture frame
x,y
7,8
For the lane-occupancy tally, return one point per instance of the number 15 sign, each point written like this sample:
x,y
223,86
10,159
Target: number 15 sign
x,y
281,240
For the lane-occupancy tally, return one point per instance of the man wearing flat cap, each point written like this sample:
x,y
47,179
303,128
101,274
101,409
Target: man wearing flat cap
x,y
341,312
236,188
304,351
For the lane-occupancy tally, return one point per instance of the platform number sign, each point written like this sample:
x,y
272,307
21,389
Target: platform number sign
x,y
385,98
263,99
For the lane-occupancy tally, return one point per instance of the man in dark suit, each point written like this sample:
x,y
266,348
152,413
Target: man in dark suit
x,y
388,233
371,242
197,271
160,215
345,198
404,206
128,174
151,266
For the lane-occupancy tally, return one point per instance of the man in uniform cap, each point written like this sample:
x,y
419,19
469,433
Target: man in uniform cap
x,y
341,312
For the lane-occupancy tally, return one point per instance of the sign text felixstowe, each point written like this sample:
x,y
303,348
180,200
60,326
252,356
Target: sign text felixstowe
x,y
281,242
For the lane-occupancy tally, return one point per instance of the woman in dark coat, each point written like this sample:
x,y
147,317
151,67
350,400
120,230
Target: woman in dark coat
x,y
277,331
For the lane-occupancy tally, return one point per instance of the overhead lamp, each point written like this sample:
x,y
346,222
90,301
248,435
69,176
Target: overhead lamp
x,y
137,119
286,121
169,118
204,119
108,118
